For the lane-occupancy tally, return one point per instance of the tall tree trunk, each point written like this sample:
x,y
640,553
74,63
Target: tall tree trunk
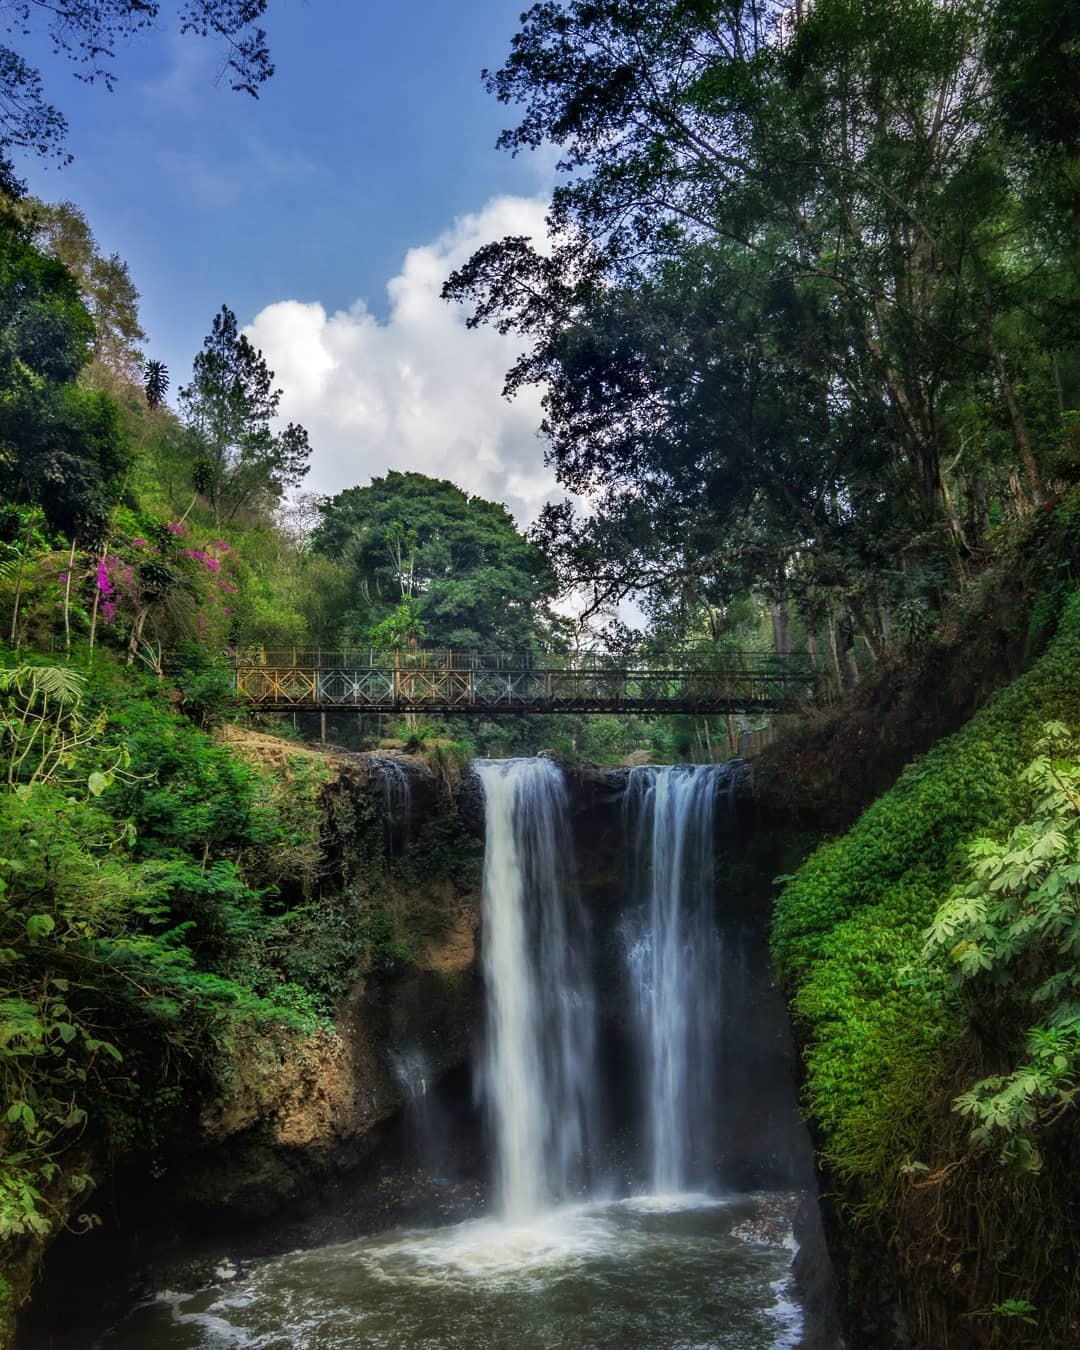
x,y
835,650
94,608
1058,387
978,511
19,577
1036,483
780,614
1016,413
867,631
67,600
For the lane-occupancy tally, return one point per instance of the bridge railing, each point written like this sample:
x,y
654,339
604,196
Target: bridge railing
x,y
466,660
500,681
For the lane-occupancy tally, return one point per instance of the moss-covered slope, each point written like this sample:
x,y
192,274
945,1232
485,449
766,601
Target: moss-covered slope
x,y
984,1256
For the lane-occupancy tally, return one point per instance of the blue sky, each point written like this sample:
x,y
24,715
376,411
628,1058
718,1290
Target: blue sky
x,y
367,163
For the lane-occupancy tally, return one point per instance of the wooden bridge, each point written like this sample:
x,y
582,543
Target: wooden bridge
x,y
532,682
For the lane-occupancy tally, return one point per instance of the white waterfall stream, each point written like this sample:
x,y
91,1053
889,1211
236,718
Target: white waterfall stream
x,y
675,966
539,1071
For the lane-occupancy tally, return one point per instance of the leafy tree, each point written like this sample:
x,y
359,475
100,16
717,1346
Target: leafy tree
x,y
45,330
455,566
62,447
710,471
1034,60
231,404
89,32
401,628
787,261
155,383
62,231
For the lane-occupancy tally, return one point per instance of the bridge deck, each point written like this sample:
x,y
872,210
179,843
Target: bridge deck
x,y
493,684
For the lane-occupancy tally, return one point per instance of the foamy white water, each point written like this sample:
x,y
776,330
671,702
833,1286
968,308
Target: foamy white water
x,y
577,1277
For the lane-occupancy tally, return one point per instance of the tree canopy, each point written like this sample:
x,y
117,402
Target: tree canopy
x,y
62,230
458,563
62,447
230,405
798,323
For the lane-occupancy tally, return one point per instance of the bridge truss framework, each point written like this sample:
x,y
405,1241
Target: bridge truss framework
x,y
496,684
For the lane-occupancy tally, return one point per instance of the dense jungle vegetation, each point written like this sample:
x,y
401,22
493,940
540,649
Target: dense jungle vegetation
x,y
806,332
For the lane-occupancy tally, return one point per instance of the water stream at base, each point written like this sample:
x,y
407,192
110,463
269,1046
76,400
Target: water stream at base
x,y
635,1275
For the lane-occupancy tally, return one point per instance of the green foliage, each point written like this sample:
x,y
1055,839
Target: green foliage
x,y
457,565
42,730
967,783
140,954
403,627
65,450
900,999
155,383
105,284
45,330
450,761
1020,1308
1010,940
231,404
808,305
439,848
205,683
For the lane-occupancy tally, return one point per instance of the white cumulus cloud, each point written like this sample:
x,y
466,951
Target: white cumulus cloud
x,y
416,391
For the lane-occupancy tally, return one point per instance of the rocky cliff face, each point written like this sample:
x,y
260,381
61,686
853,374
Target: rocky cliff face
x,y
397,883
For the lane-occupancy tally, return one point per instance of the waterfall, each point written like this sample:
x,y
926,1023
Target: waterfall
x,y
674,966
397,800
539,1072
415,1080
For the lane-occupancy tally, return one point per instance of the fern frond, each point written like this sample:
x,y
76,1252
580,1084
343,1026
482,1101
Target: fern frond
x,y
59,683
